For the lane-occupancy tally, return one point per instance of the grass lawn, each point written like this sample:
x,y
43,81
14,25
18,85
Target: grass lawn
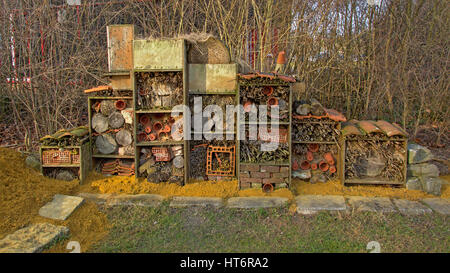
x,y
165,229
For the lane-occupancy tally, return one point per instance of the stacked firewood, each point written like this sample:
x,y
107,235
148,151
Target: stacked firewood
x,y
159,90
112,125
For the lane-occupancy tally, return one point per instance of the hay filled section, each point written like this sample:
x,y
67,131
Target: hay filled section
x,y
375,153
265,151
315,135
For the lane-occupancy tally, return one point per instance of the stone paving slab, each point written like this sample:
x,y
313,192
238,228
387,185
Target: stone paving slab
x,y
310,204
411,207
99,198
256,202
185,201
61,207
440,205
33,238
375,204
143,200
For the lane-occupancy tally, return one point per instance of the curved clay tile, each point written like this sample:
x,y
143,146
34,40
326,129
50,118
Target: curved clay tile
x,y
368,127
349,128
335,115
286,78
389,129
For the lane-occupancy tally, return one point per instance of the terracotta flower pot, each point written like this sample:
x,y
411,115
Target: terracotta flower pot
x,y
151,137
268,90
305,165
295,165
314,166
142,137
309,156
313,147
144,120
332,169
323,166
272,101
148,129
267,188
120,105
329,158
157,126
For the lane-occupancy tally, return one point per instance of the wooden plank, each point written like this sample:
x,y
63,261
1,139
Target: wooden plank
x,y
120,82
159,54
372,181
120,47
212,77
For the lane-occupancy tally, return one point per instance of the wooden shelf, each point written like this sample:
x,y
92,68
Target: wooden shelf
x,y
222,93
155,111
160,143
114,156
116,73
276,163
111,98
265,84
267,123
314,142
159,70
61,166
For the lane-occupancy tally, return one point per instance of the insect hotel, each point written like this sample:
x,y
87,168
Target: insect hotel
x,y
177,110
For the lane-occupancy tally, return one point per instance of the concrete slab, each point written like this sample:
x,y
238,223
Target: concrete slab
x,y
99,198
143,200
411,207
256,202
310,204
33,238
184,201
61,207
375,204
440,205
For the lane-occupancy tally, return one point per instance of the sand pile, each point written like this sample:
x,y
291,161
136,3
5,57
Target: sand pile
x,y
24,191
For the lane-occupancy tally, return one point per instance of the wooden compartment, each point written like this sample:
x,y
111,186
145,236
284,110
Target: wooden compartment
x,y
373,153
76,159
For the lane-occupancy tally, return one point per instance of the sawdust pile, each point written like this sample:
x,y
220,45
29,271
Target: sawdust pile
x,y
258,192
87,226
24,191
128,185
335,187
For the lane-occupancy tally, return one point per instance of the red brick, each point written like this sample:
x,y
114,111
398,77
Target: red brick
x,y
244,174
273,180
250,180
281,174
250,168
259,175
284,169
270,169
